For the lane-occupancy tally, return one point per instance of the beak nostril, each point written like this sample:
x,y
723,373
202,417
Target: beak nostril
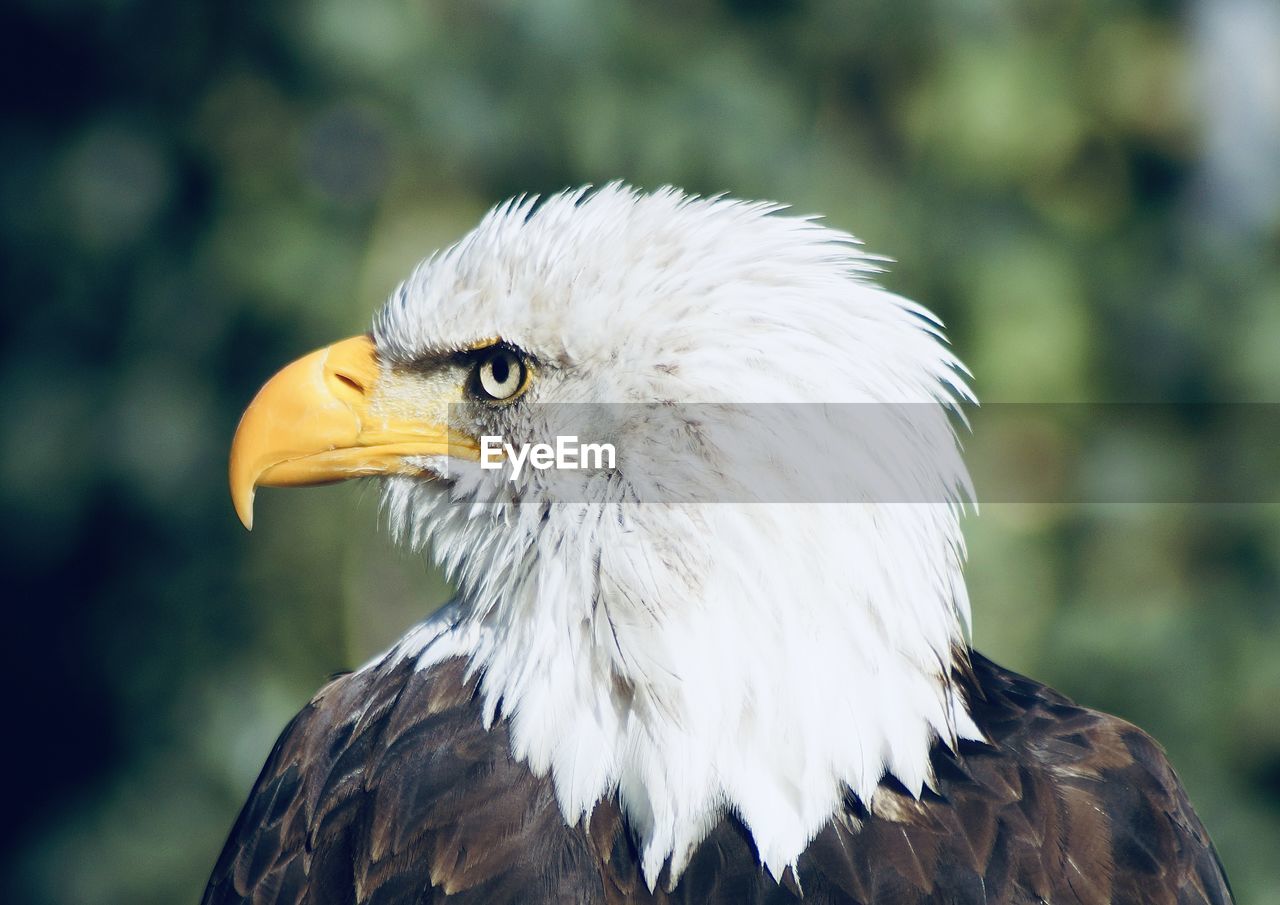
x,y
350,381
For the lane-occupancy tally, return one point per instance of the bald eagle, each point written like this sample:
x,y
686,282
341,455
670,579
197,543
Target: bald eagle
x,y
723,700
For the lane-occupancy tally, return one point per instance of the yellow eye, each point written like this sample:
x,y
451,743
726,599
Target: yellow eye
x,y
500,375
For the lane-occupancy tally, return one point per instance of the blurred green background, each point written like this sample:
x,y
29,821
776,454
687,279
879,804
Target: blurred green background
x,y
194,193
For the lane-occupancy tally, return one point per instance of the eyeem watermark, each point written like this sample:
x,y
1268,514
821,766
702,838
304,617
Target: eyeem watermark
x,y
566,454
890,453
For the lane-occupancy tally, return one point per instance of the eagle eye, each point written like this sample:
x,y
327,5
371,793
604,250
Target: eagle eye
x,y
500,375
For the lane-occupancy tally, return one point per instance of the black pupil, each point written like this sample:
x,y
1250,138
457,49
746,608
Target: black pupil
x,y
500,365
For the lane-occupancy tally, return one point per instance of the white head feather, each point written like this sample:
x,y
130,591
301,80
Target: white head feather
x,y
698,657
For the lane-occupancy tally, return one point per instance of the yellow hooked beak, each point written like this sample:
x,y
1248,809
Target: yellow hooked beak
x,y
330,416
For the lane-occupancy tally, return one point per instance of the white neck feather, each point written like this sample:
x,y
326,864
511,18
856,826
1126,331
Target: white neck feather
x,y
768,659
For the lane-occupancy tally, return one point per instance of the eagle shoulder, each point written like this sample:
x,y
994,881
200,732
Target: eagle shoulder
x,y
1119,826
387,788
1060,804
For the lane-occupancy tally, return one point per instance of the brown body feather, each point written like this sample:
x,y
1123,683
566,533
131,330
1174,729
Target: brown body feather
x,y
386,789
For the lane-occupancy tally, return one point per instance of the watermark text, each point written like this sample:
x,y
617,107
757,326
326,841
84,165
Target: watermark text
x,y
566,454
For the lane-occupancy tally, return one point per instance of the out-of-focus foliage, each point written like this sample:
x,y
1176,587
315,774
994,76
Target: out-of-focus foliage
x,y
192,193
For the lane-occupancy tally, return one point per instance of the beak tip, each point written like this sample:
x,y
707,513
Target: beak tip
x,y
243,503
